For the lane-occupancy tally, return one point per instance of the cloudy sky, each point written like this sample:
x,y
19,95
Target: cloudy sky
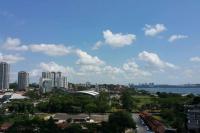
x,y
103,41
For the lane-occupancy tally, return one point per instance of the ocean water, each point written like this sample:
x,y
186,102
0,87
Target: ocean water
x,y
195,91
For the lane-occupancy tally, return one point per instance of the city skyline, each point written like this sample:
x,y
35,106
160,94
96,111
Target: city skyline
x,y
103,42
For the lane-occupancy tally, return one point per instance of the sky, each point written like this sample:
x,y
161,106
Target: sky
x,y
103,41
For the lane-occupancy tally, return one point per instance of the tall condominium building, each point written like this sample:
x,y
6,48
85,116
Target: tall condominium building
x,y
23,80
45,85
62,82
46,74
4,75
50,80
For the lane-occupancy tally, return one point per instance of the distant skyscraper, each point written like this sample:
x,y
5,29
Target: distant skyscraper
x,y
23,80
4,75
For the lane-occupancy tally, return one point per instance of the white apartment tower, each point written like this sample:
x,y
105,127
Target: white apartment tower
x,y
50,80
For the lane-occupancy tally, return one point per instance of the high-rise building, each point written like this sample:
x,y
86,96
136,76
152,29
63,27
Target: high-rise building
x,y
4,75
53,77
50,80
46,74
23,80
45,85
62,82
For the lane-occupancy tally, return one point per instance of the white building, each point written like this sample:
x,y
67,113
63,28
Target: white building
x,y
51,80
62,82
45,85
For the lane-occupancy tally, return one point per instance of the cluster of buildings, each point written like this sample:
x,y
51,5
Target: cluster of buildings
x,y
52,80
23,78
48,81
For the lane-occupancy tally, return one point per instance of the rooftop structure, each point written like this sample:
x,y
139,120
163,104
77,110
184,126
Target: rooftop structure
x,y
92,93
78,118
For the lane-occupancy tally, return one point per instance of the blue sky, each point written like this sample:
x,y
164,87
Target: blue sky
x,y
103,41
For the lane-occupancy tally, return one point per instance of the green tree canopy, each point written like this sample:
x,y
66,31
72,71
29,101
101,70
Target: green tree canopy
x,y
120,121
127,100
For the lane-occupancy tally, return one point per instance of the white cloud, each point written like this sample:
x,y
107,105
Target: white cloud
x,y
195,59
132,68
90,69
153,30
154,60
189,73
112,70
50,49
35,73
97,45
176,37
14,44
86,59
52,66
11,58
88,63
118,39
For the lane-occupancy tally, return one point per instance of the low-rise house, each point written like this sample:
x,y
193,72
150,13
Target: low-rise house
x,y
11,96
71,118
154,124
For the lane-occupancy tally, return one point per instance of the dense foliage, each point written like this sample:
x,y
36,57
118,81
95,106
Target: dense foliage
x,y
118,122
127,100
75,103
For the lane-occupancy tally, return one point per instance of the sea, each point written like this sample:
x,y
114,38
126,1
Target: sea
x,y
195,91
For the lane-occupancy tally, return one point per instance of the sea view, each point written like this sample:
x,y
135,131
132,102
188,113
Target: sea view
x,y
195,91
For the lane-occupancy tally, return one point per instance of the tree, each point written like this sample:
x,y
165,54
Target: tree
x,y
20,106
33,94
103,102
25,124
196,100
118,122
90,108
13,86
74,128
127,100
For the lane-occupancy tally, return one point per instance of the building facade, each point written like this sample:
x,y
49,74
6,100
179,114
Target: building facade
x,y
51,80
193,117
4,75
62,82
23,80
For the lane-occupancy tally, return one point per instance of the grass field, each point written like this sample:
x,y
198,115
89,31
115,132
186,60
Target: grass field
x,y
143,99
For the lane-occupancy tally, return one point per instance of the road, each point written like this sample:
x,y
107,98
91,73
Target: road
x,y
140,128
